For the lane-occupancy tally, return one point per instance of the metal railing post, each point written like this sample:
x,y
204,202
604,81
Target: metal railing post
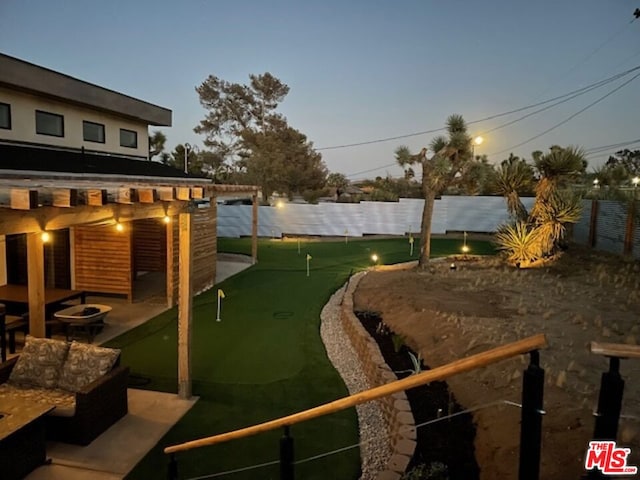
x,y
286,456
531,419
172,472
609,402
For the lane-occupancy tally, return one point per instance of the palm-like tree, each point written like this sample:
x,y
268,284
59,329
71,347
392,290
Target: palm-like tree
x,y
452,155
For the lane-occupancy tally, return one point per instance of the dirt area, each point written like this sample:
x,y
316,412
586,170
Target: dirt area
x,y
448,314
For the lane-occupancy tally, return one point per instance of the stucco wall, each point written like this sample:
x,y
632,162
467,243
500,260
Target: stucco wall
x,y
23,125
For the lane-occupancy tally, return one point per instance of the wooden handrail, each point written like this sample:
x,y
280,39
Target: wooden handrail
x,y
440,373
620,350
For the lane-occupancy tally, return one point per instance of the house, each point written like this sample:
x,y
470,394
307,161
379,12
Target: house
x,y
81,206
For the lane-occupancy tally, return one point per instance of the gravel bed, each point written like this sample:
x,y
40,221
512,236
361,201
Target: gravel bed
x,y
374,440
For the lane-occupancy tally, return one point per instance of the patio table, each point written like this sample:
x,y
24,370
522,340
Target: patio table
x,y
22,437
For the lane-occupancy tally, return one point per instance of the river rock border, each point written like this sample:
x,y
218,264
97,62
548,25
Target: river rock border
x,y
396,410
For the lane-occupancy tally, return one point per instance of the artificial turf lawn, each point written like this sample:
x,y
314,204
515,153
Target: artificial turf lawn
x,y
265,359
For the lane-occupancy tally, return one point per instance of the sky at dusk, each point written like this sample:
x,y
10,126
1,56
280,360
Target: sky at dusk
x,y
358,70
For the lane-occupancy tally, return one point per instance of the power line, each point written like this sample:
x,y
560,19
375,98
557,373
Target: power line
x,y
490,117
593,52
580,92
569,118
612,146
589,153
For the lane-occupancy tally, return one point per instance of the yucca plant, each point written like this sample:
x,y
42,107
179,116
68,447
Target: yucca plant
x,y
520,242
539,234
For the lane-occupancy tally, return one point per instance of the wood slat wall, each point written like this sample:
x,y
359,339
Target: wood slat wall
x,y
149,245
204,247
103,260
204,251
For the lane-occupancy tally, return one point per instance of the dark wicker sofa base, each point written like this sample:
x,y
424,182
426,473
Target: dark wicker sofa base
x,y
98,406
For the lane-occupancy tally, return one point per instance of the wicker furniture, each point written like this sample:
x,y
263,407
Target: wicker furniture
x,y
22,438
82,410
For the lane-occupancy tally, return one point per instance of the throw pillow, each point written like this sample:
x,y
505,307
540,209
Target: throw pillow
x,y
40,362
86,363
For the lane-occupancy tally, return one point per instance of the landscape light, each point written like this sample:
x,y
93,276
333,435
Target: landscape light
x,y
596,182
635,181
374,257
279,204
45,237
465,249
452,266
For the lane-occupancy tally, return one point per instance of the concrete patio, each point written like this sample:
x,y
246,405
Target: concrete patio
x,y
151,414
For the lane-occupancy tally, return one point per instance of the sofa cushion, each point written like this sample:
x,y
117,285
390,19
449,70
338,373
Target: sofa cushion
x,y
84,364
40,362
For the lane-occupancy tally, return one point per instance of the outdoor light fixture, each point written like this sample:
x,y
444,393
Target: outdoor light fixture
x,y
119,227
452,266
279,204
374,257
465,247
476,141
596,182
166,219
635,181
45,237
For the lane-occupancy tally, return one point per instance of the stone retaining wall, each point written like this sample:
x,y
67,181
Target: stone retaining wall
x,y
396,408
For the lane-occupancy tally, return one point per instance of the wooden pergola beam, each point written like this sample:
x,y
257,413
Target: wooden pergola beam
x,y
55,218
23,199
35,274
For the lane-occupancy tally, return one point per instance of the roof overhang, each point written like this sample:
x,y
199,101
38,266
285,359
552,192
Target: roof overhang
x,y
26,77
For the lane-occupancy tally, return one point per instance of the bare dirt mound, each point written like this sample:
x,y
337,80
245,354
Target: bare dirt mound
x,y
448,314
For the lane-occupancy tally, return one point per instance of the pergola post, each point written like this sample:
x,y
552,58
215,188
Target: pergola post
x,y
254,229
35,274
185,301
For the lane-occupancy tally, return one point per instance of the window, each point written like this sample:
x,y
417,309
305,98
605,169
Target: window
x,y
92,132
5,116
49,124
128,138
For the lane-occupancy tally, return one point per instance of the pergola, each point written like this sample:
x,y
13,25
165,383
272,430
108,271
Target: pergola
x,y
44,202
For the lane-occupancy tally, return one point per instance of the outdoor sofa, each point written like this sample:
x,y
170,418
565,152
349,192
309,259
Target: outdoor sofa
x,y
85,383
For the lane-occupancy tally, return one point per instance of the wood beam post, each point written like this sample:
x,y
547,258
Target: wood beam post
x,y
171,264
35,273
185,302
254,229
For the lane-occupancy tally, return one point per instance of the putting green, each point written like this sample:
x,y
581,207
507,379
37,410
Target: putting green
x,y
263,360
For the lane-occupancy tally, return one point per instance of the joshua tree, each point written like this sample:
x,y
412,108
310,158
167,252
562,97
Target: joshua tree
x,y
540,235
450,160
